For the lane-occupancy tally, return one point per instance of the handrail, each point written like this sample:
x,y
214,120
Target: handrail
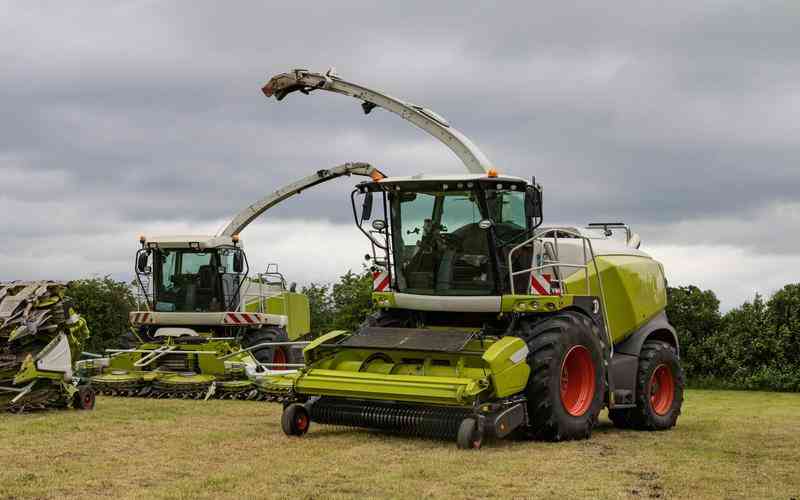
x,y
586,244
154,355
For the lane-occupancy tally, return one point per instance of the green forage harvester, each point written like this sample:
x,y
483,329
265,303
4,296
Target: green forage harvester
x,y
206,328
488,324
41,337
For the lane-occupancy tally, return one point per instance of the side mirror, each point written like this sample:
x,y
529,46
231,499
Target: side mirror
x,y
485,224
238,262
366,207
533,203
141,262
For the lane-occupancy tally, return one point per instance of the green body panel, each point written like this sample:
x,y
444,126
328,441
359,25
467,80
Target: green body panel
x,y
484,368
634,287
507,364
535,303
376,385
294,306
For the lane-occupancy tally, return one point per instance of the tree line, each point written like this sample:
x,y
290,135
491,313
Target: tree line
x,y
753,346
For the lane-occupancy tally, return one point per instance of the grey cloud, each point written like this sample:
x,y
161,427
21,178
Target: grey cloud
x,y
680,118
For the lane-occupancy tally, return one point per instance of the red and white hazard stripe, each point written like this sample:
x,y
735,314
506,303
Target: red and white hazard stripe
x,y
380,281
541,284
138,318
237,318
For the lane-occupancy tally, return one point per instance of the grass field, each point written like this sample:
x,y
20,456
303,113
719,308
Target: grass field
x,y
727,445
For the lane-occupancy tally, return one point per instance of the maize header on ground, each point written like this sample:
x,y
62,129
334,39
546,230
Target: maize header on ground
x,y
40,338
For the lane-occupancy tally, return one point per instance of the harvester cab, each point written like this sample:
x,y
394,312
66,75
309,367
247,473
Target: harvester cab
x,y
486,322
191,274
448,236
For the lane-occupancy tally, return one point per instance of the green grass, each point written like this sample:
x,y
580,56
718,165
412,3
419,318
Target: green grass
x,y
727,445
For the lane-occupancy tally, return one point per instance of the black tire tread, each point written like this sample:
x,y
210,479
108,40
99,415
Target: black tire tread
x,y
543,339
288,420
641,417
650,353
267,334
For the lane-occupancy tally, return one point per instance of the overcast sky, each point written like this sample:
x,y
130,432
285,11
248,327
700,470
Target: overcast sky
x,y
680,118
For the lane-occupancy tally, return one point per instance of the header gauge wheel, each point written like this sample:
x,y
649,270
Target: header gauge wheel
x,y
295,420
470,437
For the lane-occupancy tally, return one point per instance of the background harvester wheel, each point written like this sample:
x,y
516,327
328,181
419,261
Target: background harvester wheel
x,y
270,354
295,420
84,398
659,390
567,383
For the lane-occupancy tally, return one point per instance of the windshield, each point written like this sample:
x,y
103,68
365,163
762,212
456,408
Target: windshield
x,y
193,280
439,248
507,210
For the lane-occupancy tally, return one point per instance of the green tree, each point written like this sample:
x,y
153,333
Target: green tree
x,y
695,315
341,306
784,312
321,305
744,344
105,303
352,300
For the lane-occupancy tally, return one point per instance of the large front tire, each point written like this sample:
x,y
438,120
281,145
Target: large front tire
x,y
566,385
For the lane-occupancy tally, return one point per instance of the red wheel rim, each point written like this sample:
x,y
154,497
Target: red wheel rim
x,y
577,381
87,400
662,390
301,421
279,359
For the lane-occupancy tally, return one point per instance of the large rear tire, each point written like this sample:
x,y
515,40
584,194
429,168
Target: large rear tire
x,y
278,355
567,383
659,390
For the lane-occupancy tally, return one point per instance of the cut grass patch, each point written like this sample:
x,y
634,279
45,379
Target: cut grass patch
x,y
727,444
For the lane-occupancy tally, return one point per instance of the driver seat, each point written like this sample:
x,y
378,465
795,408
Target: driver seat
x,y
467,261
206,285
